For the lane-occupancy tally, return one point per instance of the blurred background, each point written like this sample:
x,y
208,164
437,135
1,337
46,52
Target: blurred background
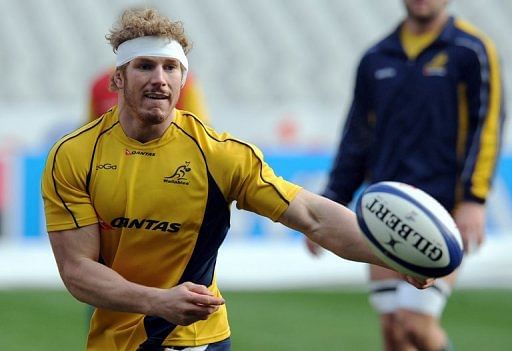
x,y
277,73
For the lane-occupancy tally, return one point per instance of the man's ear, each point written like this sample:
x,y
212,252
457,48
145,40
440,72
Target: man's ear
x,y
118,79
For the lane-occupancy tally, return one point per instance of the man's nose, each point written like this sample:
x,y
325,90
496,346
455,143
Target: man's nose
x,y
158,76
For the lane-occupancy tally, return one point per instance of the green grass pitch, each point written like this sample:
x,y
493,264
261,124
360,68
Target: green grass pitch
x,y
279,321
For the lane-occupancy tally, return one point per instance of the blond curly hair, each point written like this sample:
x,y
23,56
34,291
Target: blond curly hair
x,y
141,22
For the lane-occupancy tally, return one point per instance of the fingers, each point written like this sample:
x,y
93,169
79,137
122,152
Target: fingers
x,y
472,240
202,302
196,311
206,300
200,295
197,288
187,303
470,246
470,219
191,314
420,283
423,284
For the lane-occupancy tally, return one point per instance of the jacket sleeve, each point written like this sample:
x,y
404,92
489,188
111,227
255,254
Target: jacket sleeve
x,y
486,114
350,164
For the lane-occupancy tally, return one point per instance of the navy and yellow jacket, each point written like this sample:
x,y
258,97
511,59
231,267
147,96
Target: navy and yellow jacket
x,y
434,122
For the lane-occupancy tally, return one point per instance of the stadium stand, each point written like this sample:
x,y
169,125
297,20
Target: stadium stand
x,y
251,52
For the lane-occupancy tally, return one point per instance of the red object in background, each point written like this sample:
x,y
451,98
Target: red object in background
x,y
288,130
101,97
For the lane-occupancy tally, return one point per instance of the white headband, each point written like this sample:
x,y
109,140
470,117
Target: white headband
x,y
152,46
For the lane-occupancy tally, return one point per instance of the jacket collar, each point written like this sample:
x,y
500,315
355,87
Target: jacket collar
x,y
393,44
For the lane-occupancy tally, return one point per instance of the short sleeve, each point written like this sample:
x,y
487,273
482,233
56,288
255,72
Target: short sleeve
x,y
67,205
254,185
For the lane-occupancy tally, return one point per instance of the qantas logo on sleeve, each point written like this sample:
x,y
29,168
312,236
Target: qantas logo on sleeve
x,y
129,152
180,175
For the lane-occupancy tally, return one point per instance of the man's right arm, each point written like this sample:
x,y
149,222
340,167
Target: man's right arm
x,y
335,228
77,251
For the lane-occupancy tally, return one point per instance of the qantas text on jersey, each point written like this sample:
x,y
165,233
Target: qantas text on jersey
x,y
145,223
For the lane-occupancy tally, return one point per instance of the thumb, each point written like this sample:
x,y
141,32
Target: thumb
x,y
197,288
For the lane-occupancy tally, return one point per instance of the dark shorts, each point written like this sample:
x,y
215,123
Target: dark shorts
x,y
224,345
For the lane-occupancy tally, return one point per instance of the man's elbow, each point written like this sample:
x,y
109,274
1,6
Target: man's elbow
x,y
72,279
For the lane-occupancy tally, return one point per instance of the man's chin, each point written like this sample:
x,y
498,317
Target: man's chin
x,y
425,19
155,115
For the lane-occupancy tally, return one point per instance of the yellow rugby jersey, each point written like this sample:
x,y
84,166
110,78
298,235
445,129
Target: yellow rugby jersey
x,y
163,209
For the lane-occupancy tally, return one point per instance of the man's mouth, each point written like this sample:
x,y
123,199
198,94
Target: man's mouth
x,y
156,96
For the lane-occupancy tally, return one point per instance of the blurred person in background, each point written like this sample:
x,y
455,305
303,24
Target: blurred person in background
x,y
102,97
137,203
428,111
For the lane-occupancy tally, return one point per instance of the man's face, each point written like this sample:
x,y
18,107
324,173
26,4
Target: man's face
x,y
151,87
424,10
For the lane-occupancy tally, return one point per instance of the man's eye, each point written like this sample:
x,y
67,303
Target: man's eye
x,y
171,67
145,66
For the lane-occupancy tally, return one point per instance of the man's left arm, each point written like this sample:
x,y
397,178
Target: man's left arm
x,y
483,96
335,228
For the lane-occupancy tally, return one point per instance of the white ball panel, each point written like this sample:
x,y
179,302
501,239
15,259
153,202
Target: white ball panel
x,y
417,238
413,230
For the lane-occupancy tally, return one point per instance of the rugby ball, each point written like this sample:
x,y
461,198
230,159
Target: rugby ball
x,y
409,230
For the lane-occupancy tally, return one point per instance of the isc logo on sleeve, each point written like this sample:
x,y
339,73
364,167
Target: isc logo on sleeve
x,y
106,166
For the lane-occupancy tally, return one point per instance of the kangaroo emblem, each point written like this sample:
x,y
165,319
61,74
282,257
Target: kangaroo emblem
x,y
179,175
